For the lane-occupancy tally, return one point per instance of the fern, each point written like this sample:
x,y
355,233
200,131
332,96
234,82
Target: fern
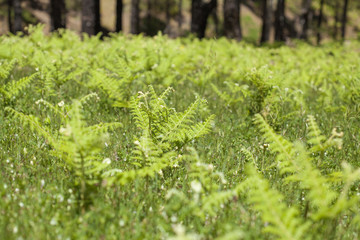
x,y
163,124
317,140
284,222
13,88
114,88
279,145
6,68
32,122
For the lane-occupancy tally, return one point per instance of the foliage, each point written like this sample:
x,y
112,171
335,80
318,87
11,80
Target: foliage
x,y
95,143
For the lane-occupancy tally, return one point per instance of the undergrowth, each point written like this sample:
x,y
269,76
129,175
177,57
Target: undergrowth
x,y
152,138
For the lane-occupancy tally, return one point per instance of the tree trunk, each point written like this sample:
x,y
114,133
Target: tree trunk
x,y
90,19
318,36
344,19
215,18
167,12
10,16
135,18
266,21
280,21
180,15
119,10
200,12
232,28
97,16
305,19
17,27
58,18
336,19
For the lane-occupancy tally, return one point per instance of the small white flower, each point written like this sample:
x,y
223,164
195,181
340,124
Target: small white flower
x,y
196,186
173,218
42,182
121,223
21,204
15,229
61,104
53,221
17,190
107,161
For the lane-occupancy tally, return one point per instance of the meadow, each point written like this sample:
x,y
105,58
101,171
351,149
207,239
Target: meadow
x,y
154,138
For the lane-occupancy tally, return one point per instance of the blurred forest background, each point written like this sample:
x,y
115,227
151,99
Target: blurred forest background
x,y
255,21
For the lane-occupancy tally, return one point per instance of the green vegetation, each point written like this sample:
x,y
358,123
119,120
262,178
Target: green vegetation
x,y
152,138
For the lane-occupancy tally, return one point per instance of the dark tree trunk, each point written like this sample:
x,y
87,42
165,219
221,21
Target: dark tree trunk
x,y
344,19
135,18
215,18
180,14
58,18
148,17
200,12
97,16
305,19
17,16
266,21
336,18
167,11
119,10
232,28
10,16
280,21
318,35
90,19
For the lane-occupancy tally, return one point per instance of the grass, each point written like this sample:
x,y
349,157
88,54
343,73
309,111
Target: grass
x,y
231,183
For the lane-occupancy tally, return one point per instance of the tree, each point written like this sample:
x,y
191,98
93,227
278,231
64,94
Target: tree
x,y
135,18
58,19
17,23
90,18
119,9
266,20
232,27
200,11
9,16
180,15
318,35
305,19
336,18
344,19
280,21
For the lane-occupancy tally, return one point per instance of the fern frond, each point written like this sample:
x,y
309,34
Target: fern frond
x,y
248,156
310,178
140,116
88,97
315,138
145,152
32,122
167,160
111,86
283,221
104,127
200,129
53,108
13,88
173,130
6,68
278,144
